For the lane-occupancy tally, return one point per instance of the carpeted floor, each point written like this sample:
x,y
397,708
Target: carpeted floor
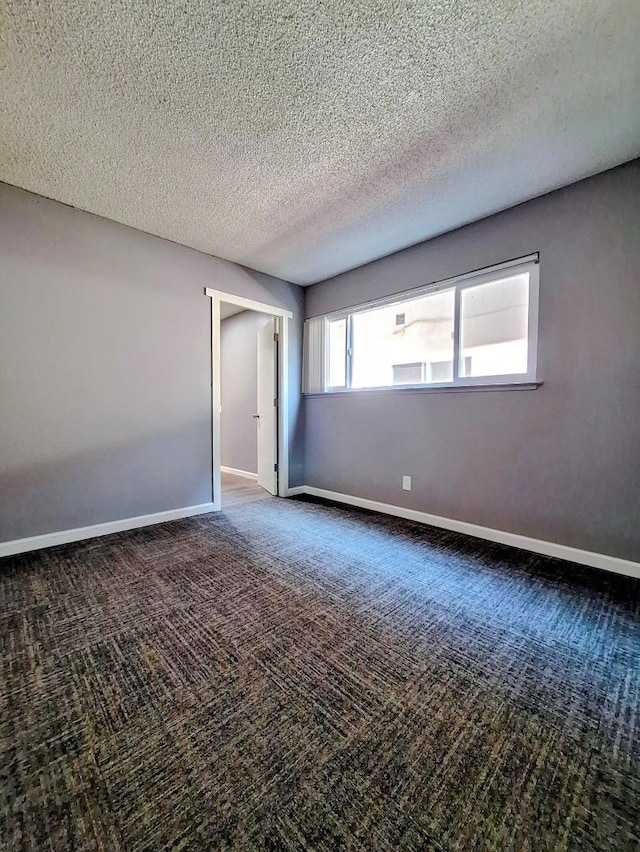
x,y
290,675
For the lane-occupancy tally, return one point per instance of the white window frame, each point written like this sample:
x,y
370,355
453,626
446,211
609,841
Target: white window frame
x,y
319,366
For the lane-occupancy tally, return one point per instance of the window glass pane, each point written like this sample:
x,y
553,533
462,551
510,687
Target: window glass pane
x,y
337,353
408,374
416,350
493,327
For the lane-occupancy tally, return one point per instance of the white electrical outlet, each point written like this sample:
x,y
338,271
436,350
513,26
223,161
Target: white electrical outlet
x,y
406,483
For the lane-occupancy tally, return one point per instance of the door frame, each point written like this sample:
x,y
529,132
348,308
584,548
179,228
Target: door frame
x,y
283,315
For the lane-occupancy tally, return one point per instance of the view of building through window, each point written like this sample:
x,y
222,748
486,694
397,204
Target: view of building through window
x,y
385,353
493,327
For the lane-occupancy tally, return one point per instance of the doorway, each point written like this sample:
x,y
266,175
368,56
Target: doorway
x,y
248,404
249,441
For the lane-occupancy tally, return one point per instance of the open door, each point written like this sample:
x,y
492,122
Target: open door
x,y
267,410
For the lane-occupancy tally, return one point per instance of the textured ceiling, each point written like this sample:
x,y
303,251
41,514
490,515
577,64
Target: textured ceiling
x,y
305,138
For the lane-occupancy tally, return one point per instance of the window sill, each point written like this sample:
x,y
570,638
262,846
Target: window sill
x,y
494,386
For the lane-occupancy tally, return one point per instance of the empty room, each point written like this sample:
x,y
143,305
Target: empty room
x,y
320,425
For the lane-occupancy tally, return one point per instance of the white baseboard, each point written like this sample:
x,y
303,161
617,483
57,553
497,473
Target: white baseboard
x,y
37,542
546,548
236,472
298,489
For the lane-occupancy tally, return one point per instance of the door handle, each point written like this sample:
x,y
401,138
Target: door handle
x,y
256,417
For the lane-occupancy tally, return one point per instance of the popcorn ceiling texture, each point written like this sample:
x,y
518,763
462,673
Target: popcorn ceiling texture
x,y
305,138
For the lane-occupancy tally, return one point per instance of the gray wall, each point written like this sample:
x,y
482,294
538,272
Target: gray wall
x,y
238,389
105,368
561,463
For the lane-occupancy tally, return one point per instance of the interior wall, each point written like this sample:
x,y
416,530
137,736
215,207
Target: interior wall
x,y
105,368
560,463
238,389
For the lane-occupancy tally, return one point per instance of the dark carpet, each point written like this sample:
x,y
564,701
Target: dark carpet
x,y
295,676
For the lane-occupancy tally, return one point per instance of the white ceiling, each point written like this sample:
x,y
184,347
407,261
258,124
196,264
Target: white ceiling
x,y
305,138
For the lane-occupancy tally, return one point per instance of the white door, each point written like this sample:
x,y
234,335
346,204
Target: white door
x,y
267,413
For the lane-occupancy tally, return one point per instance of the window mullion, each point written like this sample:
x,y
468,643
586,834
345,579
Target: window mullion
x,y
349,351
456,336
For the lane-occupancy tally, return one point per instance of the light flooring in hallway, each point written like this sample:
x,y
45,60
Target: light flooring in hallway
x,y
240,489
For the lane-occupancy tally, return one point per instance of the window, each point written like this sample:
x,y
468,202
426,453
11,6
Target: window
x,y
477,329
